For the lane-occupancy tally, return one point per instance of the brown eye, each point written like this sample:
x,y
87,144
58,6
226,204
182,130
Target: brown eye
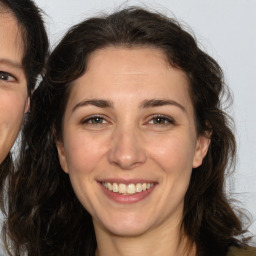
x,y
96,120
161,120
7,77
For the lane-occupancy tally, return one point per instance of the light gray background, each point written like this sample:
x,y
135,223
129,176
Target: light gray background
x,y
226,29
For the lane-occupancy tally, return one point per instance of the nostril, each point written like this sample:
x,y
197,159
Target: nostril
x,y
127,161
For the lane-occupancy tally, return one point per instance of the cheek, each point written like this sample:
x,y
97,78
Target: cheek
x,y
173,153
12,109
83,152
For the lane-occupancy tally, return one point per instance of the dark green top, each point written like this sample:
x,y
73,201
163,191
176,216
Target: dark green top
x,y
234,251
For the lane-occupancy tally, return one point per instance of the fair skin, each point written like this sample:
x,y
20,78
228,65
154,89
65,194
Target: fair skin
x,y
129,127
13,86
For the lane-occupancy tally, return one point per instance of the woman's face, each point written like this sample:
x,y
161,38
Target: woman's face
x,y
13,86
129,140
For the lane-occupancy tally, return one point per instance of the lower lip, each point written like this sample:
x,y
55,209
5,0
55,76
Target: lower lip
x,y
127,199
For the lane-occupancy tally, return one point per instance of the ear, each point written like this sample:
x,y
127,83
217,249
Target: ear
x,y
202,145
27,105
62,155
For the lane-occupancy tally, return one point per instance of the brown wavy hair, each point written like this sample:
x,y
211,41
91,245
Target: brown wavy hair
x,y
45,217
36,44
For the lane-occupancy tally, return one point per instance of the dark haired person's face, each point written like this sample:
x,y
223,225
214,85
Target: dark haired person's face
x,y
13,87
129,141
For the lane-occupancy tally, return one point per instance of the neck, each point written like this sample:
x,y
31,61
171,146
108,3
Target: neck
x,y
161,241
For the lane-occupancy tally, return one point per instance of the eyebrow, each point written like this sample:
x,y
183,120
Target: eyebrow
x,y
11,63
161,102
100,103
94,102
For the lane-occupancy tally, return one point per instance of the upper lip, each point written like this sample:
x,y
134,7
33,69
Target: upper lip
x,y
126,181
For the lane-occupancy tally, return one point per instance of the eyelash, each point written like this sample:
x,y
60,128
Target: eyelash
x,y
100,120
3,76
89,120
167,120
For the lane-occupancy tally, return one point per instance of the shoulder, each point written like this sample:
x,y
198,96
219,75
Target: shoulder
x,y
235,251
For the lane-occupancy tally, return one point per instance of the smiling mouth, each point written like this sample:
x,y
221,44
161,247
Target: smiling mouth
x,y
129,189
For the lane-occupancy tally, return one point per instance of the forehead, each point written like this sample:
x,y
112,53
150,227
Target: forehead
x,y
11,40
123,58
130,73
136,64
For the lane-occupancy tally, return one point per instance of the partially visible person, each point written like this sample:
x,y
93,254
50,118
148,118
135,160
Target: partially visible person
x,y
126,147
23,50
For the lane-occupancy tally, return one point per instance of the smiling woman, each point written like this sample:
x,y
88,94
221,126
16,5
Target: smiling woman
x,y
22,58
117,155
13,85
126,147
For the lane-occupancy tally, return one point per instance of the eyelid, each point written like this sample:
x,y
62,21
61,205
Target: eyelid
x,y
91,117
167,118
3,73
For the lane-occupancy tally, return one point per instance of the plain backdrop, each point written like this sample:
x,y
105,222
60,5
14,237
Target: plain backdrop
x,y
225,29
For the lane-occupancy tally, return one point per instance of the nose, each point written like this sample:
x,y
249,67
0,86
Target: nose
x,y
126,149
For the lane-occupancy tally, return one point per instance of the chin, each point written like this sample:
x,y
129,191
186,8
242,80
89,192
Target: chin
x,y
127,231
127,227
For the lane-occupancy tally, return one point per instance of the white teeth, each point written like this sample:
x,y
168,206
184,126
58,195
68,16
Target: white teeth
x,y
115,187
129,189
122,188
110,186
138,187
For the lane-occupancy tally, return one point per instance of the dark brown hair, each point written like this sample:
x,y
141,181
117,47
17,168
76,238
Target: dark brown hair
x,y
34,35
35,52
45,217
